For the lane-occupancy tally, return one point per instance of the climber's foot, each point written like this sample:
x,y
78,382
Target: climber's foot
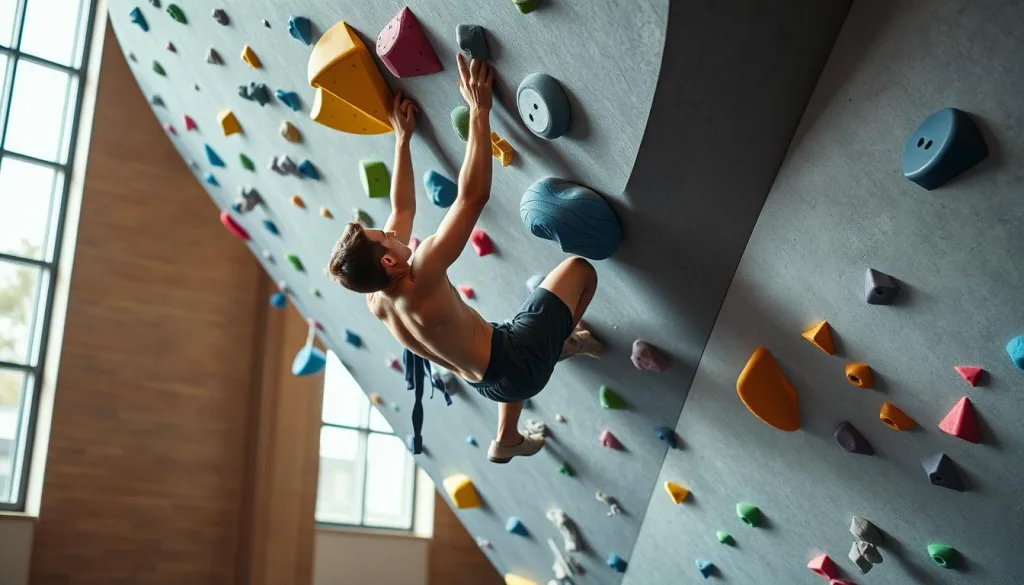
x,y
528,445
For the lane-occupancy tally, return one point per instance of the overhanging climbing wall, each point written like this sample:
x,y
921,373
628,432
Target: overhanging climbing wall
x,y
687,183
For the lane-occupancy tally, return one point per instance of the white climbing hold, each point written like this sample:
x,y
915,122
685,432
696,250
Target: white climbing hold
x,y
483,542
535,427
560,418
613,506
567,527
565,566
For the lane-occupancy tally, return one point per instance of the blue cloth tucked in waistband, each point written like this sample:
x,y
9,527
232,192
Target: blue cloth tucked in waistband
x,y
415,368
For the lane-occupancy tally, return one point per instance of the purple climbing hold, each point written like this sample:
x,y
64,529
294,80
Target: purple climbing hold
x,y
849,438
607,439
646,357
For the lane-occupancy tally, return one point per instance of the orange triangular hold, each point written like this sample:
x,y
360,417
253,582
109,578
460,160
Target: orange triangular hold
x,y
969,373
894,418
767,393
821,336
961,422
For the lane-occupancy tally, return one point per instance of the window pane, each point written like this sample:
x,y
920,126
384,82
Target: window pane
x,y
12,398
27,192
52,30
344,401
7,9
340,489
38,120
389,481
19,296
378,422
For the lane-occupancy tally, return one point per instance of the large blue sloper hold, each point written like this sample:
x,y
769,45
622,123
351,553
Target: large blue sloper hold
x,y
308,361
576,217
1015,349
943,147
441,189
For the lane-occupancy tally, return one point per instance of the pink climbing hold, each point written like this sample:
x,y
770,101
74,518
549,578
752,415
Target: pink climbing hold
x,y
190,124
314,324
609,440
405,49
394,364
467,291
646,357
823,565
413,244
969,373
170,129
961,422
481,242
170,47
233,226
840,582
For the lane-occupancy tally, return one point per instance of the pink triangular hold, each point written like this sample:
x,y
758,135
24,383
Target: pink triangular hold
x,y
394,364
190,124
405,49
823,565
170,129
171,48
467,291
609,440
961,422
969,373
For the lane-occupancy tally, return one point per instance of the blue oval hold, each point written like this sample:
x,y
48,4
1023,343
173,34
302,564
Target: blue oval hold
x,y
576,217
278,300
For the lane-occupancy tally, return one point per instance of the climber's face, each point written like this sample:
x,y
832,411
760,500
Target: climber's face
x,y
397,255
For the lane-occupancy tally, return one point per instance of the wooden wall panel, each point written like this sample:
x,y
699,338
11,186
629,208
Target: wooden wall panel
x,y
453,556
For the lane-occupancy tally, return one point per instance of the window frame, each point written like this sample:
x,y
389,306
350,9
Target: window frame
x,y
26,425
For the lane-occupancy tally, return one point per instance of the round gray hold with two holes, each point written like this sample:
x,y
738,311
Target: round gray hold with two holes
x,y
543,106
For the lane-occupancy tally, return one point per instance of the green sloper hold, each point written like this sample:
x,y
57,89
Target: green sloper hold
x,y
748,513
943,555
159,69
724,537
246,162
460,121
176,13
525,6
376,181
295,262
611,400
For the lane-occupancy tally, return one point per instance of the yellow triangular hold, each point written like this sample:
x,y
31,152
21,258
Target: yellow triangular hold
x,y
342,67
461,491
677,492
767,393
511,579
229,123
821,336
250,58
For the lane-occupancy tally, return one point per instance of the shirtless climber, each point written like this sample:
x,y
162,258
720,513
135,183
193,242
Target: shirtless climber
x,y
507,363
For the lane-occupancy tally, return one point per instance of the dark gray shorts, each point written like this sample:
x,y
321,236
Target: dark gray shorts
x,y
524,351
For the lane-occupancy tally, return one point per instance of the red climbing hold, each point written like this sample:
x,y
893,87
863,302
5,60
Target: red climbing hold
x,y
969,373
823,566
481,242
467,291
232,226
170,129
394,364
646,357
608,440
404,48
961,422
190,124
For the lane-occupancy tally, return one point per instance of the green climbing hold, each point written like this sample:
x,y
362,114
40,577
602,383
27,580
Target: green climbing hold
x,y
315,292
246,162
724,537
295,262
525,6
943,555
749,513
565,470
176,13
159,69
460,121
375,178
611,400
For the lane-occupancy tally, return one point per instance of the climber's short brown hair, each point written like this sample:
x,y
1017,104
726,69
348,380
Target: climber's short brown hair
x,y
355,261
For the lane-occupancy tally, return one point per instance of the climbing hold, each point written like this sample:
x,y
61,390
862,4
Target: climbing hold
x,y
864,530
155,3
190,124
501,149
666,435
869,552
574,216
525,6
375,399
132,57
971,374
270,227
376,182
306,169
856,555
221,17
528,404
677,492
159,69
170,129
821,336
232,226
607,439
315,292
266,23
278,300
894,418
616,563
460,121
351,94
767,393
942,472
246,162
565,525
362,217
961,422
943,147
441,189
289,132
543,106
229,123
301,29
879,287
212,156
295,262
326,213
749,514
849,438
471,440
248,199
404,48
413,244
706,568
534,281
560,418
823,565
309,360
297,201
1015,349
472,41
511,579
646,357
250,58
195,87
157,101
394,364
724,537
565,470
137,17
461,491
481,242
176,13
944,555
859,374
283,165
193,165
289,98
515,526
467,291
610,400
613,506
352,338
211,180
213,57
258,92
170,47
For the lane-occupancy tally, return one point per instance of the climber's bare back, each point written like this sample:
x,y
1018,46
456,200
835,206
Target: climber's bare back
x,y
432,321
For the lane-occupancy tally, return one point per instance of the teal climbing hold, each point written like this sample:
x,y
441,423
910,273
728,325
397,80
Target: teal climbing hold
x,y
610,400
352,338
301,29
289,98
666,435
270,227
159,69
295,262
212,156
246,162
278,300
470,440
257,92
211,180
306,169
575,217
515,526
749,514
157,101
176,13
441,189
944,555
1015,349
308,361
565,470
616,563
724,537
706,568
460,121
136,16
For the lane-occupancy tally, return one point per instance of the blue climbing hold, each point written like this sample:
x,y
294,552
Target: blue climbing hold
x,y
471,440
308,361
211,180
441,189
515,526
1016,351
139,19
706,568
353,339
288,98
278,300
269,225
616,563
306,169
212,156
576,217
666,435
301,29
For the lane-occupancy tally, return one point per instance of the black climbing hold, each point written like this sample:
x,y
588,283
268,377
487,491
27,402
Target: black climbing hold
x,y
288,98
301,29
666,435
266,23
472,41
220,16
132,57
943,472
943,147
155,3
157,101
136,16
849,438
879,287
213,57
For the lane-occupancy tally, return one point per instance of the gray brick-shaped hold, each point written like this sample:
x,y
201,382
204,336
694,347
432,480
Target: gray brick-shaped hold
x,y
859,559
943,472
865,531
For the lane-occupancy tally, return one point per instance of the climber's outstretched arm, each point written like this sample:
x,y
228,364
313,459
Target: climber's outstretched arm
x,y
403,189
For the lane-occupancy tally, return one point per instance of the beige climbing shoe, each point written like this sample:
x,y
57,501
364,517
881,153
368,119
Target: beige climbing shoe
x,y
530,444
581,342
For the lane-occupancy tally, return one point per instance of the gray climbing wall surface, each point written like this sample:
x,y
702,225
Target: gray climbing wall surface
x,y
840,205
724,100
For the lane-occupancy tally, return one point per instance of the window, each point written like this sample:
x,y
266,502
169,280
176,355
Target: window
x,y
367,476
42,55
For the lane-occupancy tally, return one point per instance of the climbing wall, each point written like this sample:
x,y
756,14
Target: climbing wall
x,y
839,206
681,114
